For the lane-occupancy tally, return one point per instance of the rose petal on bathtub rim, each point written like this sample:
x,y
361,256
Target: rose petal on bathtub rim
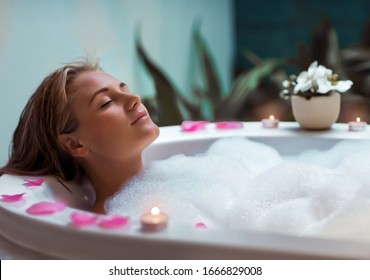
x,y
34,182
12,197
229,125
81,219
190,126
46,208
201,225
114,222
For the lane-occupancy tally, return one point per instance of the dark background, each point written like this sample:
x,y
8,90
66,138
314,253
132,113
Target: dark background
x,y
273,28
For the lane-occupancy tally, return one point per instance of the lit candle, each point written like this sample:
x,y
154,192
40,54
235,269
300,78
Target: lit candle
x,y
271,122
154,221
358,125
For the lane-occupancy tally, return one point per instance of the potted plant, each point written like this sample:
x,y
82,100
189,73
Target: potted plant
x,y
315,96
170,107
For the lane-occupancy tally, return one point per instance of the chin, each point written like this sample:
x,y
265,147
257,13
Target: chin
x,y
156,132
152,133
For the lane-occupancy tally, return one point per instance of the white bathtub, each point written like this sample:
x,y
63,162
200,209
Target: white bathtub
x,y
53,235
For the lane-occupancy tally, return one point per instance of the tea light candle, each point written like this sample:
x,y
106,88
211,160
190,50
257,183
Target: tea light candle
x,y
271,122
154,221
358,125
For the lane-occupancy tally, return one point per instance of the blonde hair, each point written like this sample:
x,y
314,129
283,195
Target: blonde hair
x,y
35,148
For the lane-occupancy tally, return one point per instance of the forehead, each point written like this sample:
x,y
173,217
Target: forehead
x,y
91,81
82,88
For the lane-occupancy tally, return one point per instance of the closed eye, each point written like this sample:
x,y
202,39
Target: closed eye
x,y
106,104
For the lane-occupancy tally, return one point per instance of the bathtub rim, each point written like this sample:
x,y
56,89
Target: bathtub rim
x,y
256,245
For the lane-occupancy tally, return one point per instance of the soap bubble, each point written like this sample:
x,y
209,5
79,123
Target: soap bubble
x,y
243,184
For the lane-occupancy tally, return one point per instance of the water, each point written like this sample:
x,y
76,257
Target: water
x,y
241,184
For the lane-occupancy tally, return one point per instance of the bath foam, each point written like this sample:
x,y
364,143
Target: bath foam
x,y
348,225
241,184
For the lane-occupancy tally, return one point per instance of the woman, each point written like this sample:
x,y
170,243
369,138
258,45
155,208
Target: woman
x,y
82,122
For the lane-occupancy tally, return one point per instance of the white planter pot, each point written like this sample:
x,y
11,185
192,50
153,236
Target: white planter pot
x,y
318,112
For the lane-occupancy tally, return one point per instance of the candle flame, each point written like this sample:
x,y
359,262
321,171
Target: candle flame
x,y
358,119
271,117
155,211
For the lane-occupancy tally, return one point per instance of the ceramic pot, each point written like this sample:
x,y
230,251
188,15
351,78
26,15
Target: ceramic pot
x,y
318,112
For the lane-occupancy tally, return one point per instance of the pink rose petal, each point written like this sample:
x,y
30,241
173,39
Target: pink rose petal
x,y
114,222
12,197
45,208
201,225
190,126
229,125
34,183
80,219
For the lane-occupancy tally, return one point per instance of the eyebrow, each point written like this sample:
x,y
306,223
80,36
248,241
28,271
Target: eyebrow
x,y
104,89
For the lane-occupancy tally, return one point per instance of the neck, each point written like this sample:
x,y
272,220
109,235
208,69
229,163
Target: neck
x,y
109,177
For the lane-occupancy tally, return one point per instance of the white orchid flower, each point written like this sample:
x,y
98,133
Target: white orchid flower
x,y
316,80
286,83
304,82
307,80
325,85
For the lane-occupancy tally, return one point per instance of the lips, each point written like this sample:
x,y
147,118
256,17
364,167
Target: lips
x,y
139,115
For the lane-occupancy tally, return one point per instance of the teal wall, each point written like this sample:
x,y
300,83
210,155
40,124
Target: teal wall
x,y
37,36
273,28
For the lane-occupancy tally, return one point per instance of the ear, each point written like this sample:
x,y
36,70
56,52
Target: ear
x,y
70,144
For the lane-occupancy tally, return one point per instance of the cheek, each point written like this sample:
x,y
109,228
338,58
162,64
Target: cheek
x,y
104,134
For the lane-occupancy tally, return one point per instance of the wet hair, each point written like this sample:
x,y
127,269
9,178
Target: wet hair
x,y
35,149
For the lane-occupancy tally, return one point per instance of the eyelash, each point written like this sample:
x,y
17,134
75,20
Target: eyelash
x,y
105,104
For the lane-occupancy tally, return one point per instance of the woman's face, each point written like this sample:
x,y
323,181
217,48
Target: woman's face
x,y
113,123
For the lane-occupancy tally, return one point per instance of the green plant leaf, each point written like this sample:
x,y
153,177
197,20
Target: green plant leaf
x,y
213,87
325,47
304,57
194,110
151,106
252,57
355,54
356,60
359,67
366,36
243,86
166,94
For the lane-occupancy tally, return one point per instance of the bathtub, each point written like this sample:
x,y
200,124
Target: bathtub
x,y
53,234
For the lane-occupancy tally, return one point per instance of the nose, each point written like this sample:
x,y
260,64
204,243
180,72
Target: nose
x,y
133,100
